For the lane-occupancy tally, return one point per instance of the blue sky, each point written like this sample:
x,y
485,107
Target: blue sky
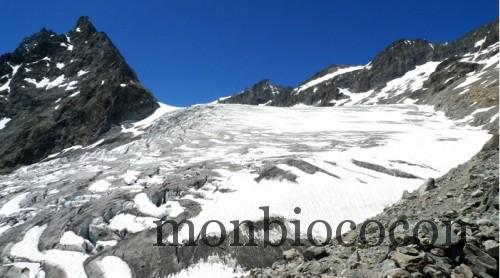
x,y
190,52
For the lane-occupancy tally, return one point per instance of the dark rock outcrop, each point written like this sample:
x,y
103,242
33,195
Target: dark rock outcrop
x,y
262,93
65,90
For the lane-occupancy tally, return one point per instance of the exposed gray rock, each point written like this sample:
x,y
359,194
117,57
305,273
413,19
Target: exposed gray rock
x,y
291,254
397,273
315,253
478,260
427,186
477,193
462,271
68,89
491,247
382,169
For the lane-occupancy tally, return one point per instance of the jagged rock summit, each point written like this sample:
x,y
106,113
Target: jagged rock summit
x,y
61,90
262,93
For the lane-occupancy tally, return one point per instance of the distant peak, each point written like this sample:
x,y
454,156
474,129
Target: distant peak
x,y
84,25
263,82
46,31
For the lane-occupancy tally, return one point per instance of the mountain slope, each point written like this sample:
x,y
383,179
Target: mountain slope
x,y
58,91
415,71
221,162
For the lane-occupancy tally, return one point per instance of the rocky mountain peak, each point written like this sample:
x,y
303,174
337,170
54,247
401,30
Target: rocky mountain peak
x,y
400,57
263,84
85,26
62,90
261,93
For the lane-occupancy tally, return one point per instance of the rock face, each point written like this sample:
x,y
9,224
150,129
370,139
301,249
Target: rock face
x,y
64,90
407,71
262,93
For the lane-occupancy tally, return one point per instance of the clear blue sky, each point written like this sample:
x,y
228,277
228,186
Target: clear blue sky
x,y
190,52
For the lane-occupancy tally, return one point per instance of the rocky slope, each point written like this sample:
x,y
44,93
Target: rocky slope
x,y
407,71
58,91
466,197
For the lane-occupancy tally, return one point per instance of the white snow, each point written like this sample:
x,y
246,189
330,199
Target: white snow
x,y
326,77
6,85
100,186
123,85
56,82
28,246
46,83
479,43
69,261
239,141
137,128
390,132
4,122
97,143
113,267
174,209
60,65
267,103
409,100
68,46
411,81
144,205
70,86
82,72
130,176
470,79
354,98
72,239
210,268
131,222
74,94
13,205
72,148
107,242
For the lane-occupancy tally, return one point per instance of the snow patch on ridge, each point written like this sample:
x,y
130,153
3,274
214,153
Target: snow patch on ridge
x,y
326,77
13,205
138,128
4,122
411,81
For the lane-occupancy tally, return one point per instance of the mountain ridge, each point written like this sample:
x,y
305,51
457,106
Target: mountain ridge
x,y
392,62
64,90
